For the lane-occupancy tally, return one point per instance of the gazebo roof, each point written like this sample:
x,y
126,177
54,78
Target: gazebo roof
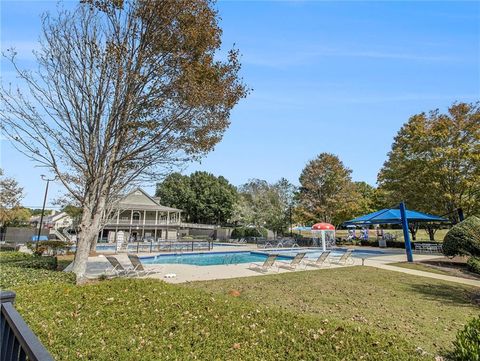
x,y
392,216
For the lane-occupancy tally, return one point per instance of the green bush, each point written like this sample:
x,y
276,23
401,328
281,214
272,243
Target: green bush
x,y
238,233
473,264
7,257
23,260
14,276
51,246
252,232
467,344
249,232
463,238
8,247
21,268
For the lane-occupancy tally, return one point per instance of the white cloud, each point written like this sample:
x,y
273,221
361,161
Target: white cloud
x,y
285,57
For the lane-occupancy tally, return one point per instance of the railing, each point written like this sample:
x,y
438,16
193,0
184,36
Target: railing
x,y
59,235
18,342
149,222
170,246
198,225
152,222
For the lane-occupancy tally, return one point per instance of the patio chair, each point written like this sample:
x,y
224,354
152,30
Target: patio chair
x,y
288,243
117,270
138,268
345,259
292,266
323,258
266,266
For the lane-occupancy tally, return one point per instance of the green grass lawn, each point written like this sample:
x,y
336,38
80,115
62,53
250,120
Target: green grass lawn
x,y
426,312
344,314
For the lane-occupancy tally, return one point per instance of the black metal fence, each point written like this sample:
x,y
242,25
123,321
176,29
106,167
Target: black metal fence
x,y
170,246
17,341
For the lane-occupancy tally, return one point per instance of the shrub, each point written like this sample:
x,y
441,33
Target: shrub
x,y
467,344
23,260
8,247
8,257
14,276
252,232
463,238
52,247
473,264
21,268
238,233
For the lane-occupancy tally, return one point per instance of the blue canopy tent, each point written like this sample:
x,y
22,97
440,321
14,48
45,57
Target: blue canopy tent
x,y
399,215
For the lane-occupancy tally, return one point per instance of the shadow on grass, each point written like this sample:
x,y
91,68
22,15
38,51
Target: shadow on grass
x,y
448,294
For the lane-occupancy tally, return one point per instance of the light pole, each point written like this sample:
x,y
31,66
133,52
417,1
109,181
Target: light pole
x,y
291,225
44,178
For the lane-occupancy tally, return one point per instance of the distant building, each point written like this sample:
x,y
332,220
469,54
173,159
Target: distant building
x,y
56,220
139,216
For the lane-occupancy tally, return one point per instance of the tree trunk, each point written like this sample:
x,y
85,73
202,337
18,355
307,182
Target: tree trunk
x,y
413,230
89,228
431,229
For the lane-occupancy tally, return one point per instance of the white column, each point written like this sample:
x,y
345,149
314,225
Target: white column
x,y
131,216
144,216
156,220
324,246
118,216
168,218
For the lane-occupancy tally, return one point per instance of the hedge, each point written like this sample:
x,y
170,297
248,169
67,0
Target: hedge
x,y
473,264
463,238
19,269
467,343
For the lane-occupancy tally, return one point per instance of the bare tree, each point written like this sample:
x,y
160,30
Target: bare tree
x,y
10,196
124,90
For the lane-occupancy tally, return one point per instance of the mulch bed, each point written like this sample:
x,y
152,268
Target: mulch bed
x,y
456,266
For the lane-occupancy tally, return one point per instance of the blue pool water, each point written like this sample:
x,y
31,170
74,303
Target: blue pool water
x,y
225,258
211,259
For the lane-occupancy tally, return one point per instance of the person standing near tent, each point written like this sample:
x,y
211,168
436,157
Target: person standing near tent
x,y
365,233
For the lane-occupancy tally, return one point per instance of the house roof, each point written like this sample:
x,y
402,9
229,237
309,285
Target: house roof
x,y
138,199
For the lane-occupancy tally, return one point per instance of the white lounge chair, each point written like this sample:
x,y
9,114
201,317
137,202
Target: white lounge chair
x,y
138,268
117,268
345,259
320,261
266,266
292,266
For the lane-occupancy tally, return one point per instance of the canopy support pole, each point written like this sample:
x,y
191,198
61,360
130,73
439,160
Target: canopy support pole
x,y
406,235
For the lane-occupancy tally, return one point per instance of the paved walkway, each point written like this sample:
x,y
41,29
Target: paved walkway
x,y
189,273
383,262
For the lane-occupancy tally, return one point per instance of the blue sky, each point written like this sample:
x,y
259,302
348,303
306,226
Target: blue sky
x,y
339,77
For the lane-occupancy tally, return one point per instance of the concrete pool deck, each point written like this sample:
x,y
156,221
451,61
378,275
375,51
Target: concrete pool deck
x,y
190,273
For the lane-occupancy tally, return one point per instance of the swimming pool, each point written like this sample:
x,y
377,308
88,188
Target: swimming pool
x,y
226,258
212,258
